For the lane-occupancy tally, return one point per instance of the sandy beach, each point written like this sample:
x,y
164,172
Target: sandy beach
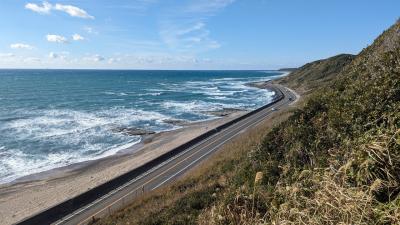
x,y
37,192
34,193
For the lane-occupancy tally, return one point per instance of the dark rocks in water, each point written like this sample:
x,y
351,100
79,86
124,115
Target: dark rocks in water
x,y
260,84
176,122
133,131
224,112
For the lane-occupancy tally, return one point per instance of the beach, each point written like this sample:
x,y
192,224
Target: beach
x,y
34,193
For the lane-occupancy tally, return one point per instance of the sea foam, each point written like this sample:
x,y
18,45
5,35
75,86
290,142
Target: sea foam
x,y
58,118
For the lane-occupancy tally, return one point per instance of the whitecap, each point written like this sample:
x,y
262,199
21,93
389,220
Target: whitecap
x,y
151,94
218,98
190,106
114,93
59,123
227,79
15,164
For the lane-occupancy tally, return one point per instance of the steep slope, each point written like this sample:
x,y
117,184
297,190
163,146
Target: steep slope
x,y
316,74
335,161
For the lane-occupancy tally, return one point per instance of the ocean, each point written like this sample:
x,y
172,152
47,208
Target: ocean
x,y
55,118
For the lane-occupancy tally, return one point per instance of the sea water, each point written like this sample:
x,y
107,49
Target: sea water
x,y
55,118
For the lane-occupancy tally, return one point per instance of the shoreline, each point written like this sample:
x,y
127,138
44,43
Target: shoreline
x,y
37,192
133,149
220,115
33,193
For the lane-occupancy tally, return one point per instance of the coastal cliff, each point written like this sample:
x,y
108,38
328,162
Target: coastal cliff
x,y
335,160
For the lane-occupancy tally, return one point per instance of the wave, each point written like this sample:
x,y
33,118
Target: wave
x,y
151,94
227,79
200,106
53,123
115,93
57,138
15,164
189,106
154,90
218,98
42,137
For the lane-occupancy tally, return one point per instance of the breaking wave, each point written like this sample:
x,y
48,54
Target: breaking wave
x,y
47,123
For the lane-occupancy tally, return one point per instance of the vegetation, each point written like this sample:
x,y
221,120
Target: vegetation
x,y
184,201
287,69
334,161
316,74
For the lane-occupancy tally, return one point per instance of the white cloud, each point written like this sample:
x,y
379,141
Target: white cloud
x,y
21,46
61,55
208,6
53,55
77,37
184,29
73,11
31,60
98,58
113,60
95,58
45,8
56,38
6,55
135,7
195,27
90,30
189,37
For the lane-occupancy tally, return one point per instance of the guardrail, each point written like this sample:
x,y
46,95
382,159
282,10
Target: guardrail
x,y
68,206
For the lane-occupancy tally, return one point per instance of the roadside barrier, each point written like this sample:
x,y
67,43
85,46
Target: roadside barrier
x,y
68,206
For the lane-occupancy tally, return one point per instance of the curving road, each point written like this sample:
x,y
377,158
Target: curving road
x,y
171,169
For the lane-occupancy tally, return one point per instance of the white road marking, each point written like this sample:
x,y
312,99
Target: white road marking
x,y
258,119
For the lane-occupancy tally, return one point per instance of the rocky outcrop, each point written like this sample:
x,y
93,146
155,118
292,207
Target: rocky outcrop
x,y
132,131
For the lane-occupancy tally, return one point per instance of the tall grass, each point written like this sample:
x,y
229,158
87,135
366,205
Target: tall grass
x,y
336,160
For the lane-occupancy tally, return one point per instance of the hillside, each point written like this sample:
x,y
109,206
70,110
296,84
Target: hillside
x,y
334,161
316,74
288,69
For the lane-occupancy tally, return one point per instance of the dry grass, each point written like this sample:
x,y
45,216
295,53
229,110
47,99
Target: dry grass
x,y
334,161
209,181
331,202
364,190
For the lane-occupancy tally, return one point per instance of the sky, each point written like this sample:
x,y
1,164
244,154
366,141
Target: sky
x,y
186,34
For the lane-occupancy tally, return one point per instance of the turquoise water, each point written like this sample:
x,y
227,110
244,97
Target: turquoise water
x,y
54,118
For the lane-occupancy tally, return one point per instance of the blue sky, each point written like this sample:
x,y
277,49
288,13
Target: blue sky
x,y
186,34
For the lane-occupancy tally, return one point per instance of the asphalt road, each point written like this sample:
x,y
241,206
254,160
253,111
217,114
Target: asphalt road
x,y
170,170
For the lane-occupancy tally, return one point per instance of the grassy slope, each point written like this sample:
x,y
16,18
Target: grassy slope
x,y
336,160
316,74
183,202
